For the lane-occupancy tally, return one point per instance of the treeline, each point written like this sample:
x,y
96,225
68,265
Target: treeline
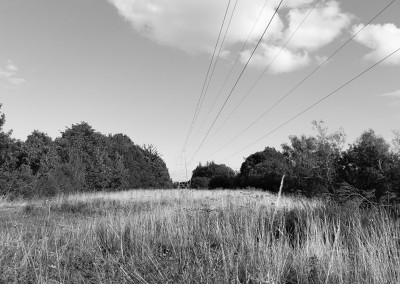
x,y
368,169
81,159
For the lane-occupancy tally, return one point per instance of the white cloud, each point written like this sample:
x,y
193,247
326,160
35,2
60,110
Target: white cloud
x,y
309,38
382,39
395,94
193,26
296,3
9,75
288,60
11,67
323,25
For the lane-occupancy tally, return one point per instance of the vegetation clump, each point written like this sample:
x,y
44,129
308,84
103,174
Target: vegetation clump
x,y
80,160
366,174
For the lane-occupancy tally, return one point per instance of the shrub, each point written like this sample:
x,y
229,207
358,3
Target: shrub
x,y
221,182
200,182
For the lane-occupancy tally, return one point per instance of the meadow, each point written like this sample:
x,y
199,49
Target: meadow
x,y
186,236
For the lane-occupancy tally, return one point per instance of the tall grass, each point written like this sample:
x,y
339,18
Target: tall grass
x,y
197,237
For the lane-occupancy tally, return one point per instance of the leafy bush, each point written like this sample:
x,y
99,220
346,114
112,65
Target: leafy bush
x,y
212,176
221,182
200,182
263,170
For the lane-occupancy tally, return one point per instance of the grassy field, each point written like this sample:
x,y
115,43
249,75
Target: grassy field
x,y
180,236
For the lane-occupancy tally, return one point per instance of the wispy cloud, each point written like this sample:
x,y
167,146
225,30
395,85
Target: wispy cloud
x,y
382,39
8,74
394,96
11,67
192,26
289,60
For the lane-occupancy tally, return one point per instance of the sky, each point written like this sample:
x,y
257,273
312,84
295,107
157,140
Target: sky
x,y
138,67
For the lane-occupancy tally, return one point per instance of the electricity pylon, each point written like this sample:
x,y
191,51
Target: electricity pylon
x,y
183,178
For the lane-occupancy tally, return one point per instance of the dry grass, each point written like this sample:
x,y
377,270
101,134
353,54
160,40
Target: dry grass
x,y
179,236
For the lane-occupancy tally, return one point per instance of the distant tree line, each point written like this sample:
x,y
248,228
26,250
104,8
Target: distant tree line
x,y
318,165
81,159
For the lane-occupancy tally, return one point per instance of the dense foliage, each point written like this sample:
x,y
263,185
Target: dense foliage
x,y
82,159
312,161
318,165
371,167
213,176
263,170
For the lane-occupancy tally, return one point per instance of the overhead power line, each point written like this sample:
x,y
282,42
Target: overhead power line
x,y
262,74
302,81
314,104
237,81
198,107
215,64
233,66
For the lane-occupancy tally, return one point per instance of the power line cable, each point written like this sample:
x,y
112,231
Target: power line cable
x,y
233,66
215,64
233,88
302,81
314,104
205,80
262,74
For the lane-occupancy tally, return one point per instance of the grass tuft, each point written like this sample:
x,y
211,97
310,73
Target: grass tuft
x,y
197,237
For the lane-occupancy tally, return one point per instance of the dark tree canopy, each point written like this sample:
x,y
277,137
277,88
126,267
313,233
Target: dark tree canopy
x,y
81,159
368,163
263,170
211,170
212,175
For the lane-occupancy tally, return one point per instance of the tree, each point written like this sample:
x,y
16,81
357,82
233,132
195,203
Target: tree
x,y
111,162
132,159
81,147
396,141
15,174
202,175
81,159
313,160
263,170
200,182
157,174
224,182
8,160
41,152
365,164
139,167
394,171
211,170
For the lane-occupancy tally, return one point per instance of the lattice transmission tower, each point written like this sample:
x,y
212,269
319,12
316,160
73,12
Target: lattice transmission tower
x,y
182,173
